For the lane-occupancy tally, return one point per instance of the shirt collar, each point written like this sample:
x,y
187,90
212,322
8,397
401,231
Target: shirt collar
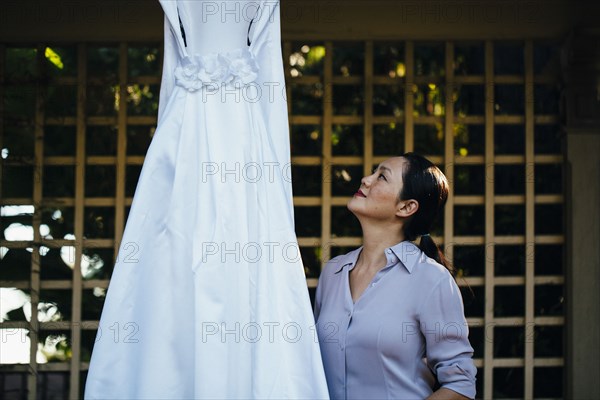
x,y
349,259
407,252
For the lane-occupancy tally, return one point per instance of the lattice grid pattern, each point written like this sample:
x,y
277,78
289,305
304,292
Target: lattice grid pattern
x,y
77,120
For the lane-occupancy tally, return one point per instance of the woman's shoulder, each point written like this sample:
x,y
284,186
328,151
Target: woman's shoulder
x,y
432,271
418,263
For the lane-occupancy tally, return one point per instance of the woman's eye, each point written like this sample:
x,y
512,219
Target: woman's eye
x,y
382,176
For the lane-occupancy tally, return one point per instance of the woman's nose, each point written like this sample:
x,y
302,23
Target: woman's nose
x,y
366,181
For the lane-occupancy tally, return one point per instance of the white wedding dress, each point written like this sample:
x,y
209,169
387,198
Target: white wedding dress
x,y
208,298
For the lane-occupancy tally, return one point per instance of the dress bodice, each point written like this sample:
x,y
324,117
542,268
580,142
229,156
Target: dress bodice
x,y
212,27
216,41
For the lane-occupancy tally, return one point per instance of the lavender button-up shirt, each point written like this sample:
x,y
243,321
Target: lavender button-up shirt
x,y
406,329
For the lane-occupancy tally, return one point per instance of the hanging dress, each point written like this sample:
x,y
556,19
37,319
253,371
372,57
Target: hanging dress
x,y
208,298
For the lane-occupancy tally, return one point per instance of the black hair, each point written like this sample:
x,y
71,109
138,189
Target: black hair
x,y
427,184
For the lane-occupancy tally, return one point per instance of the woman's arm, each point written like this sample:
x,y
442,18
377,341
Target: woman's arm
x,y
446,394
447,348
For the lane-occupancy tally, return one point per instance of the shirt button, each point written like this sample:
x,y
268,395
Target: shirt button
x,y
350,314
389,251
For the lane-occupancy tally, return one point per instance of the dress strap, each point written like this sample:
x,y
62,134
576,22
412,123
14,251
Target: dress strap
x,y
250,25
181,29
265,25
175,25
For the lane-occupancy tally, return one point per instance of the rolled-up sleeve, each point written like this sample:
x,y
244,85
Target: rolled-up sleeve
x,y
448,351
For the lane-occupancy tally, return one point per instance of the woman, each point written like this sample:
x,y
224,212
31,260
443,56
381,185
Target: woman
x,y
390,318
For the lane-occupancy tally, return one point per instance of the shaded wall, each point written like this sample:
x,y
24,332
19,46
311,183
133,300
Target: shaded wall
x,y
375,19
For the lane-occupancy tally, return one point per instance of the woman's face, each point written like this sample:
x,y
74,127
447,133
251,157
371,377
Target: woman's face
x,y
377,197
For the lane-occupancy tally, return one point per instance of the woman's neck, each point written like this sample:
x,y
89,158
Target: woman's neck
x,y
375,240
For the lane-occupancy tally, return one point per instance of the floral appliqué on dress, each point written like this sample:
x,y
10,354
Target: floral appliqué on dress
x,y
236,68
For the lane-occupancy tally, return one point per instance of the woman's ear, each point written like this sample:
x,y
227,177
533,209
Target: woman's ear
x,y
406,208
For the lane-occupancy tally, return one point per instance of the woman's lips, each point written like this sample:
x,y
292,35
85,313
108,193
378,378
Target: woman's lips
x,y
359,193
